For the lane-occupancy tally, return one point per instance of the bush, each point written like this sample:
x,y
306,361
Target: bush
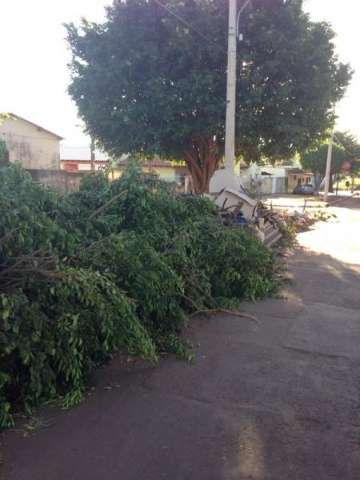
x,y
115,266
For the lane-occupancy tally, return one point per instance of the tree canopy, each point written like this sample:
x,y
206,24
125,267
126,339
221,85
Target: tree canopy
x,y
352,148
315,160
345,148
152,79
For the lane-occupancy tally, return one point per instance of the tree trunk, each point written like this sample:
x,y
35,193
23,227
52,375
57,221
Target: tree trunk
x,y
202,159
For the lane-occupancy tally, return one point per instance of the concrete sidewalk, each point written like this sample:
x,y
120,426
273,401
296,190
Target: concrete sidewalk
x,y
274,401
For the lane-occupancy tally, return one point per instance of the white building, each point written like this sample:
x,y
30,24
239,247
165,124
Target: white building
x,y
30,144
270,180
265,180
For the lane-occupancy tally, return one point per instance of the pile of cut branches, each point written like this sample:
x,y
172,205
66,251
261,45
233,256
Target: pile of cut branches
x,y
116,266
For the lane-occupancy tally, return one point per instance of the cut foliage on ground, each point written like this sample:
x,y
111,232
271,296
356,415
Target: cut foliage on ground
x,y
117,266
290,223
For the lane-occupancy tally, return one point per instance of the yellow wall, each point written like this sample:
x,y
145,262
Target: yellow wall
x,y
165,173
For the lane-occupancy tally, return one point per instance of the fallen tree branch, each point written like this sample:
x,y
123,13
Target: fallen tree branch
x,y
26,268
7,236
107,204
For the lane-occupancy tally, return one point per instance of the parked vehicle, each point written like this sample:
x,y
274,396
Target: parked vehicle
x,y
306,189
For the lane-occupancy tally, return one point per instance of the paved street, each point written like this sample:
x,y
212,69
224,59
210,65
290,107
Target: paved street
x,y
274,401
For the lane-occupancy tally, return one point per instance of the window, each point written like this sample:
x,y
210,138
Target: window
x,y
180,178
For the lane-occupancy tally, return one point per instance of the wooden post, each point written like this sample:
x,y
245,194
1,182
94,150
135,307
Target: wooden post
x,y
328,176
92,154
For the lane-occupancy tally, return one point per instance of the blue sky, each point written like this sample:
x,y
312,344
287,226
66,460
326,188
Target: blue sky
x,y
34,58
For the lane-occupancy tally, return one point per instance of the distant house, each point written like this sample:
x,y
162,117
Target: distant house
x,y
78,160
297,177
164,169
35,147
266,180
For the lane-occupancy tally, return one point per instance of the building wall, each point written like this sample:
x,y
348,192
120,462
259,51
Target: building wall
x,y
169,173
259,184
301,178
266,185
68,181
281,185
81,165
59,180
33,147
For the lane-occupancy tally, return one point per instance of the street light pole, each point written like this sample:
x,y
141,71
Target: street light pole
x,y
328,167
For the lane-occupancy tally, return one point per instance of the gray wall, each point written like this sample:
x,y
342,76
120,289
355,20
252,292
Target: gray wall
x,y
58,179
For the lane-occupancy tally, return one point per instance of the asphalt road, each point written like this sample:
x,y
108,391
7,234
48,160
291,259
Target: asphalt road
x,y
274,401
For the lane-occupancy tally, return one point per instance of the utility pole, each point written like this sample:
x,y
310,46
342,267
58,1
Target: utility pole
x,y
328,168
233,35
231,90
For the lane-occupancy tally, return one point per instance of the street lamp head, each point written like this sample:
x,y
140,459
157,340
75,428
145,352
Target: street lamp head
x,y
247,3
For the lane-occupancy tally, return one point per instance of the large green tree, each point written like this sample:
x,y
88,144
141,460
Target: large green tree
x,y
152,79
315,161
